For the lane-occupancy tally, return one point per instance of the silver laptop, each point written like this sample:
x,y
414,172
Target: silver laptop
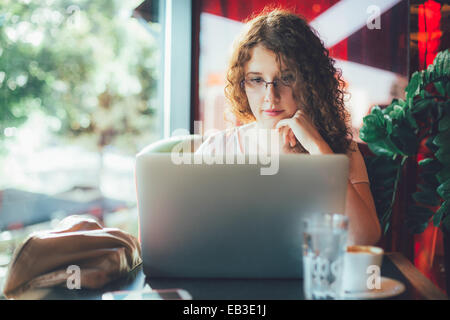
x,y
230,220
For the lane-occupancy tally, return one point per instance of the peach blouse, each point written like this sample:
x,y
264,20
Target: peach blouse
x,y
232,141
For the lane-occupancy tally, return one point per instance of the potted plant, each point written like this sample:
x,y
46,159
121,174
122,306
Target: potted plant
x,y
404,130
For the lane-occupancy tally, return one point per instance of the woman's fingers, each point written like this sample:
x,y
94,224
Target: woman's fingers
x,y
298,114
282,123
292,139
285,135
284,131
288,135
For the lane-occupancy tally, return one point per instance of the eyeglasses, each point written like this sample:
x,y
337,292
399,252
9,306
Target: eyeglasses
x,y
258,84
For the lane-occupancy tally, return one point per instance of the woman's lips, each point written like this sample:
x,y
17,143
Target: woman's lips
x,y
272,113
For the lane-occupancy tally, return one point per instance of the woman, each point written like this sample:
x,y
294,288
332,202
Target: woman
x,y
281,77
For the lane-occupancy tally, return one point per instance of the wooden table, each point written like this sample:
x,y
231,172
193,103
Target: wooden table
x,y
417,285
394,266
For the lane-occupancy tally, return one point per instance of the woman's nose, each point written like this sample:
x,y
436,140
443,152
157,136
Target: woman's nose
x,y
271,93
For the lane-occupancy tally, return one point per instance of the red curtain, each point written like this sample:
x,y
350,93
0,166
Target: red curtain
x,y
241,10
429,243
375,48
429,19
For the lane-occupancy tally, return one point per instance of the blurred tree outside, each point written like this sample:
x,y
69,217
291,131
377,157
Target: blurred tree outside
x,y
84,71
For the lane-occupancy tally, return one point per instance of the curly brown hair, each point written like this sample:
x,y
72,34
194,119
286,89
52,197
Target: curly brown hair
x,y
318,86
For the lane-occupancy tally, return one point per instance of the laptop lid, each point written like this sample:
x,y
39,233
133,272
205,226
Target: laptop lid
x,y
229,220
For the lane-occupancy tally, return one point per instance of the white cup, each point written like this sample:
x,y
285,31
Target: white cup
x,y
362,265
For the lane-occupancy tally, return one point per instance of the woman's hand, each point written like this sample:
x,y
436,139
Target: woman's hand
x,y
300,130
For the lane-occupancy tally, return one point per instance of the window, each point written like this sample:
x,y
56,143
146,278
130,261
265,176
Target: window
x,y
80,85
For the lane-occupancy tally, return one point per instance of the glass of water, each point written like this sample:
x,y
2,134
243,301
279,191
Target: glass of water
x,y
324,245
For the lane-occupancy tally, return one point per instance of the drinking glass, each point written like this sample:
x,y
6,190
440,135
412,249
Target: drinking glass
x,y
324,245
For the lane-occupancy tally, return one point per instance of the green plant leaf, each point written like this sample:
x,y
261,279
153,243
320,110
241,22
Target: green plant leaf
x,y
430,165
380,148
388,109
440,107
377,112
446,223
429,198
399,102
382,205
372,129
421,105
444,123
386,196
430,179
388,165
430,144
388,183
443,154
447,104
416,226
405,139
444,174
443,211
441,64
447,88
386,215
409,117
404,159
422,92
385,169
394,148
442,138
413,87
444,190
428,74
388,123
437,62
386,227
426,188
440,88
396,135
425,162
397,112
385,219
420,213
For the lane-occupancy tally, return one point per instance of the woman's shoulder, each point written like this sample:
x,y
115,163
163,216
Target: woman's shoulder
x,y
358,171
219,135
354,150
220,140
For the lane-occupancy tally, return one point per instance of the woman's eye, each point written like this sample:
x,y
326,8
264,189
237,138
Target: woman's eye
x,y
288,79
256,80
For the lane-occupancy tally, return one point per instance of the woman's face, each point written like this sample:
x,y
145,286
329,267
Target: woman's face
x,y
272,103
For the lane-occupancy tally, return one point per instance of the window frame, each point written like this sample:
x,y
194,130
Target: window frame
x,y
176,87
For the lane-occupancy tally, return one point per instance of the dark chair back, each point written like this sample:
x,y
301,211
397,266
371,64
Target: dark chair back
x,y
397,238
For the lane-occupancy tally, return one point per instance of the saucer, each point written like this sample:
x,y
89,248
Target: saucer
x,y
389,288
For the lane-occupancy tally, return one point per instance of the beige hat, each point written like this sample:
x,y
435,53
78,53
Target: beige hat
x,y
42,261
